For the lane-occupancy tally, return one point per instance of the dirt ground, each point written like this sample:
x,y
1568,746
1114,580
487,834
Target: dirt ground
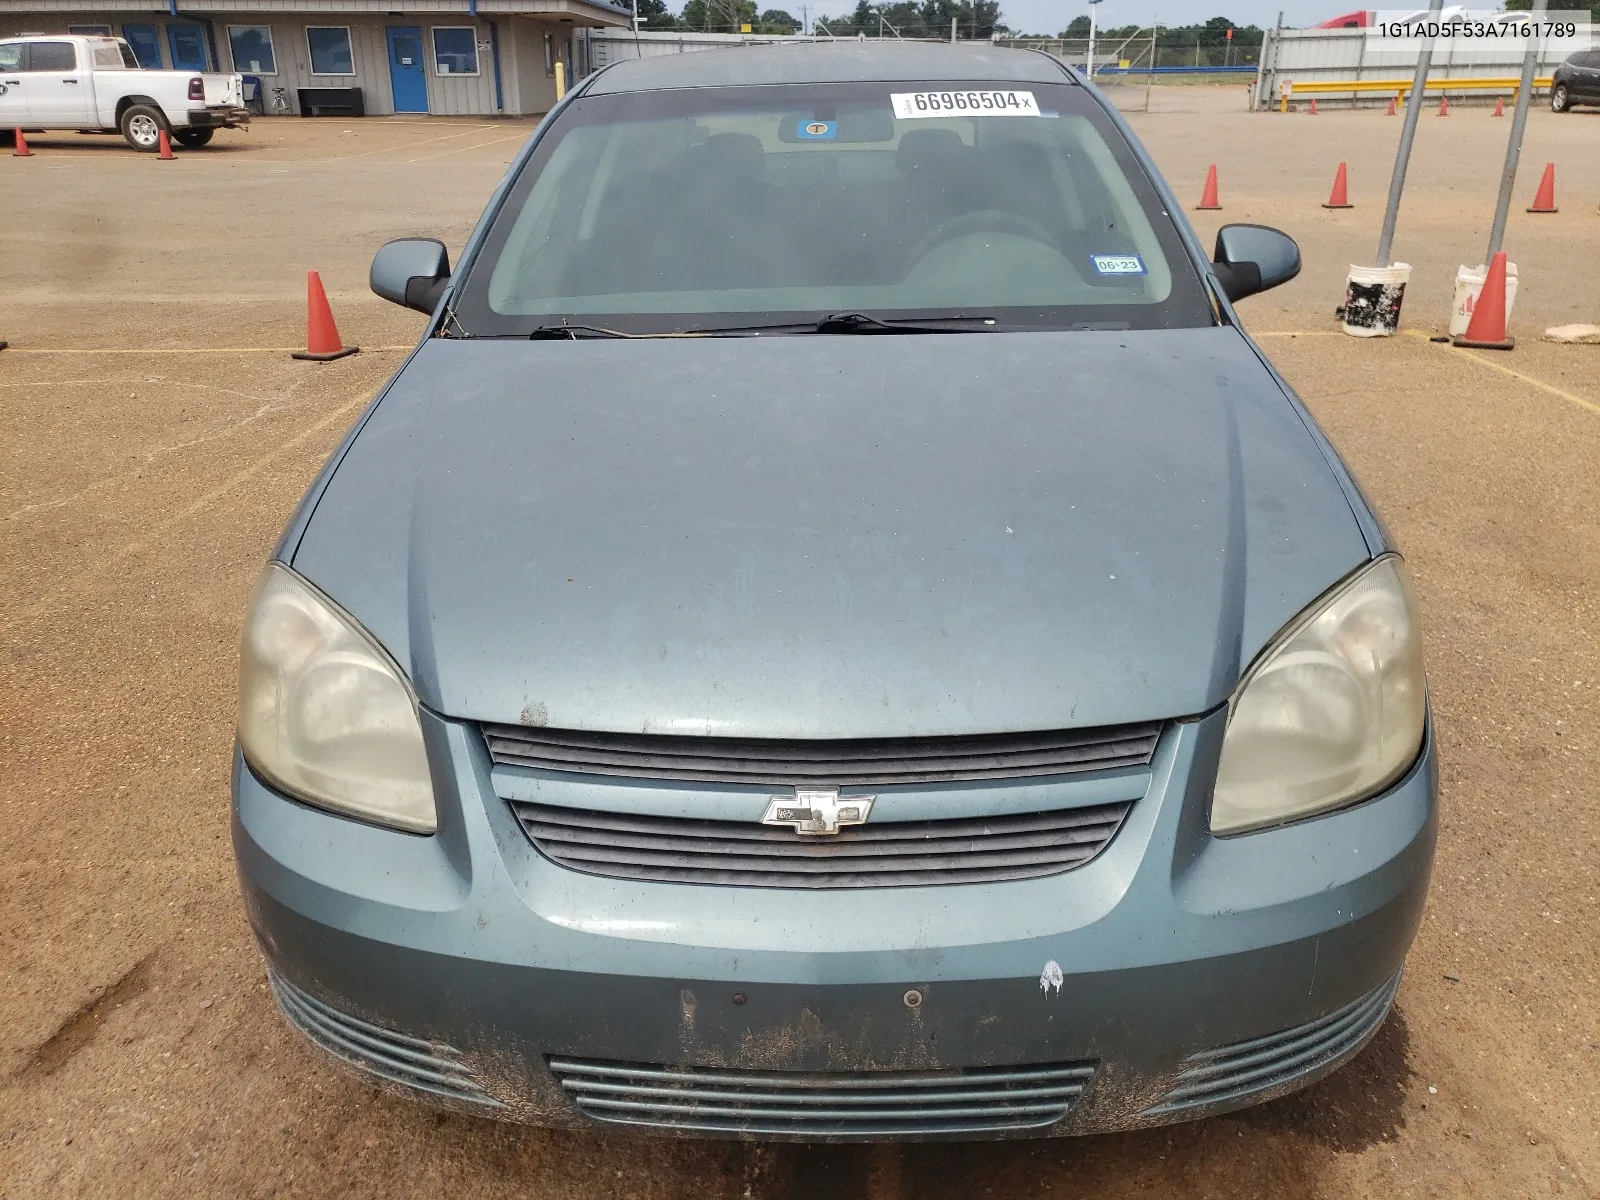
x,y
154,436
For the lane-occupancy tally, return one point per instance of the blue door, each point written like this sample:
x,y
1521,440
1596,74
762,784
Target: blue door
x,y
405,69
188,46
146,43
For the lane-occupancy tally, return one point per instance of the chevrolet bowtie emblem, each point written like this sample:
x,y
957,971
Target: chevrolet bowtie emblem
x,y
817,810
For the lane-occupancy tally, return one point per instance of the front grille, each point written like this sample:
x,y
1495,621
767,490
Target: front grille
x,y
789,763
430,1067
749,854
1233,1073
861,1105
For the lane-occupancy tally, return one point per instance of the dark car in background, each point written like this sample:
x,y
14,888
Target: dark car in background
x,y
835,632
1576,81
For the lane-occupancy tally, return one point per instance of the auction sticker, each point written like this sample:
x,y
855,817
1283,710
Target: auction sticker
x,y
909,106
1117,264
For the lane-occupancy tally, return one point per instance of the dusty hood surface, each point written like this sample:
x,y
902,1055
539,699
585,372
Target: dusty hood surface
x,y
831,536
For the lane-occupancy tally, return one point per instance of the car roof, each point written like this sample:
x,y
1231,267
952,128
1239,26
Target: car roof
x,y
844,61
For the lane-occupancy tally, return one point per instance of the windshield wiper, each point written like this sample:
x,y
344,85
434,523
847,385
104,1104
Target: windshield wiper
x,y
573,332
860,322
855,322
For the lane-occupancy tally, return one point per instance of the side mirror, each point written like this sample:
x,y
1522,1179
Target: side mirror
x,y
1252,258
411,272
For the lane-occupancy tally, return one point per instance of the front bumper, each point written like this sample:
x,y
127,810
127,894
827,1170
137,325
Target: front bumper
x,y
1196,974
218,117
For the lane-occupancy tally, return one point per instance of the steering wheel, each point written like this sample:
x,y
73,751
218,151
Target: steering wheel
x,y
983,220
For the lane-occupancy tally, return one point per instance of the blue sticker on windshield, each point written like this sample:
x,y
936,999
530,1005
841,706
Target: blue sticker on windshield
x,y
1117,264
817,131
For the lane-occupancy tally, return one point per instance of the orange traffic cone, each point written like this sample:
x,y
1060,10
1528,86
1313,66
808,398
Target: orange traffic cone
x,y
1444,106
1208,197
1340,196
322,335
1499,107
1313,106
20,150
164,146
1391,111
1487,328
1544,201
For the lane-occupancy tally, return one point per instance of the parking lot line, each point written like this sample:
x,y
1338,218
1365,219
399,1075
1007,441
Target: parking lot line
x,y
1504,370
401,146
520,137
48,598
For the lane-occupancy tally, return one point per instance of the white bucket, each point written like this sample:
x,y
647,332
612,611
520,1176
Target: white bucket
x,y
1469,282
1372,298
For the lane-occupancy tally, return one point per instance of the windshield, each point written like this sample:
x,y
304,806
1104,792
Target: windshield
x,y
737,207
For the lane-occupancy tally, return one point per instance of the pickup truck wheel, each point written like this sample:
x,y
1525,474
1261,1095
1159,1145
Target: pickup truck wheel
x,y
142,125
194,137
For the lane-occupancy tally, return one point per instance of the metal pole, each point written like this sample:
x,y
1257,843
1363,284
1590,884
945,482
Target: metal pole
x,y
1151,74
1519,122
1408,133
953,30
1088,60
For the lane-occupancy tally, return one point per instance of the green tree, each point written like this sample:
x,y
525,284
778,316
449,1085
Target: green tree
x,y
906,16
775,20
1525,5
654,14
929,18
717,16
1078,27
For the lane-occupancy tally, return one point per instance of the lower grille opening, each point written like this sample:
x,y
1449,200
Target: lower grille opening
x,y
1233,1073
432,1068
857,1105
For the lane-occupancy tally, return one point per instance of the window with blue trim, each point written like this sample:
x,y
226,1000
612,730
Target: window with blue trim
x,y
330,50
252,49
146,43
455,51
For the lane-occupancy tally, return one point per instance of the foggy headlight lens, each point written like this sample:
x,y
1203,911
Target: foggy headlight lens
x,y
324,714
1332,713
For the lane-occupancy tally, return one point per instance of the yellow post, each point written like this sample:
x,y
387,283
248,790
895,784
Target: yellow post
x,y
1283,102
561,79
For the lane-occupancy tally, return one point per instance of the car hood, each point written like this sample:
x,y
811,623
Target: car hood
x,y
831,536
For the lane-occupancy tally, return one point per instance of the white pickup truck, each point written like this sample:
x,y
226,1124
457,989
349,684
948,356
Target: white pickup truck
x,y
95,85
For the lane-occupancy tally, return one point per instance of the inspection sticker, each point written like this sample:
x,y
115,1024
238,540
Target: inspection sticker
x,y
1117,264
909,106
816,131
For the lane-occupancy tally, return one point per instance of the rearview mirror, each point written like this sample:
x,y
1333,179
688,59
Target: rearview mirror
x,y
1252,258
411,272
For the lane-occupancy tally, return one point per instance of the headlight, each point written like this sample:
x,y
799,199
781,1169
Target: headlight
x,y
324,713
1332,712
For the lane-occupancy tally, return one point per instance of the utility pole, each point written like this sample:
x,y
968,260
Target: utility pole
x,y
635,16
953,21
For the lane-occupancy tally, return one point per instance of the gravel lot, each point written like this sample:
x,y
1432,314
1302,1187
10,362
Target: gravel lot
x,y
154,435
